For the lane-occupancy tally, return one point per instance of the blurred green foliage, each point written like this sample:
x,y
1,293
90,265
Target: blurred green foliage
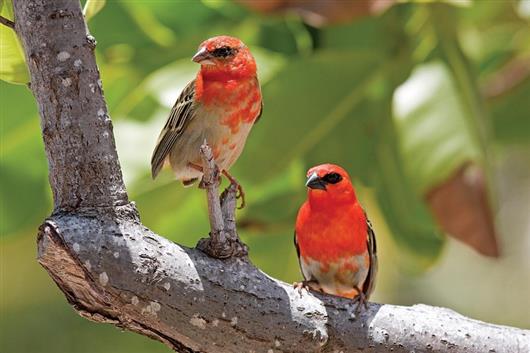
x,y
396,99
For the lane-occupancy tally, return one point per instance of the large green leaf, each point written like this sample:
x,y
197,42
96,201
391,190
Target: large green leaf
x,y
351,125
434,136
411,224
12,63
305,102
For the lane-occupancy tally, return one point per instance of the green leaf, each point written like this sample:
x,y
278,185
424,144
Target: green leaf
x,y
305,102
510,115
150,24
12,63
432,127
92,7
24,195
413,227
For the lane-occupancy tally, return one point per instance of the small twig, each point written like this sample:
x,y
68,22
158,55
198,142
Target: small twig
x,y
223,241
210,181
217,245
228,206
7,22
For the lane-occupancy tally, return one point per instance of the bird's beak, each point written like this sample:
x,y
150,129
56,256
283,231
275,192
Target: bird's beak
x,y
314,182
202,57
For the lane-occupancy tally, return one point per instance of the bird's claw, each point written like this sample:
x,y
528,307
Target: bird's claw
x,y
299,286
307,285
361,301
240,193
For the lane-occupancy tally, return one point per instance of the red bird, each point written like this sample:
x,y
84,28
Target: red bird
x,y
220,106
334,239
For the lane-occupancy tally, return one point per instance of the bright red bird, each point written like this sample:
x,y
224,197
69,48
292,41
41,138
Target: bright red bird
x,y
219,106
333,237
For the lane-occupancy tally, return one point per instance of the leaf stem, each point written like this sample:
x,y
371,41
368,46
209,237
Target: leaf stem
x,y
6,22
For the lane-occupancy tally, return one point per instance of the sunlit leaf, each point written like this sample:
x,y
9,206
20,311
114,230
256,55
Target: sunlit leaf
x,y
12,63
135,141
523,9
92,7
434,137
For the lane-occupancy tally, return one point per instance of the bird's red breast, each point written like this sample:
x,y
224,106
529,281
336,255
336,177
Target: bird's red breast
x,y
331,223
335,245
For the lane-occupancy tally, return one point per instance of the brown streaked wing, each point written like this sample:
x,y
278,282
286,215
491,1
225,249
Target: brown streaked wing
x,y
181,114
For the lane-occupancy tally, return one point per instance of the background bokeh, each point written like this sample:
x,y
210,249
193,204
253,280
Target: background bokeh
x,y
402,97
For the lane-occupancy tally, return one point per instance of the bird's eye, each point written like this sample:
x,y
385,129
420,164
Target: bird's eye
x,y
332,178
223,52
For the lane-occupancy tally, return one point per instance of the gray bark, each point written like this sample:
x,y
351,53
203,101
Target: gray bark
x,y
113,269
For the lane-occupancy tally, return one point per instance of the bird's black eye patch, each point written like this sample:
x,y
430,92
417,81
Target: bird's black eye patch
x,y
332,178
223,52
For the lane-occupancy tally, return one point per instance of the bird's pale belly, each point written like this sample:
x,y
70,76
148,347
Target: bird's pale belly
x,y
226,146
340,277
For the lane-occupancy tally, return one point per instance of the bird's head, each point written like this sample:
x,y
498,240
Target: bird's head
x,y
225,56
329,183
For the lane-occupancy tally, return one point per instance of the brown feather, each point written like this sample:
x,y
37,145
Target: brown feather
x,y
180,116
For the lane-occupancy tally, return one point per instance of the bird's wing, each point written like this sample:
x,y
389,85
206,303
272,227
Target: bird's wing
x,y
180,116
259,114
298,255
369,283
261,107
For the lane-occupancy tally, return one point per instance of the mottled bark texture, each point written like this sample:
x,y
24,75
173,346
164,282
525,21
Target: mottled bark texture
x,y
113,269
77,130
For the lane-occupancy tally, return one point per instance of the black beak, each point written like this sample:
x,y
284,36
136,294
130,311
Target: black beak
x,y
314,182
201,55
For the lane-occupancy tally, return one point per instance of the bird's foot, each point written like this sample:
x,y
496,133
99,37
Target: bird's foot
x,y
307,285
361,300
240,193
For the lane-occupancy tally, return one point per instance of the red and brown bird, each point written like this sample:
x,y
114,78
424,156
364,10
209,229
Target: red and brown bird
x,y
219,106
334,238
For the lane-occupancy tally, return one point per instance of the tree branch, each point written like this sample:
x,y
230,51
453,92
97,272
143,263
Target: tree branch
x,y
77,131
113,269
224,241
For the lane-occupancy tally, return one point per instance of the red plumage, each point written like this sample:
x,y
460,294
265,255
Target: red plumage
x,y
334,239
219,106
